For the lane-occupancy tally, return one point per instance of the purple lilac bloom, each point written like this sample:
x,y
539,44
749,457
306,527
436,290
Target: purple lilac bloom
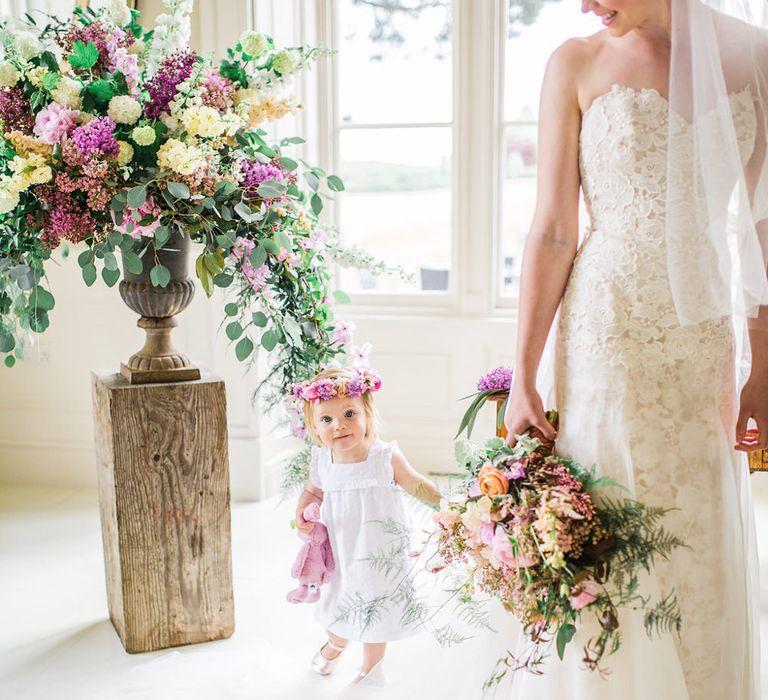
x,y
96,135
14,110
499,379
162,88
326,389
356,387
254,173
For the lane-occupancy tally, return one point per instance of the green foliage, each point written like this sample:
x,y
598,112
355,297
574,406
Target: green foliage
x,y
83,56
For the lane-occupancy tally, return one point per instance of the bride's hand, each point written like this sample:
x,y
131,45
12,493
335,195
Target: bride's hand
x,y
754,404
525,411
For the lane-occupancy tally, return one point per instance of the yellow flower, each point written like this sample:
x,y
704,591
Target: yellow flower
x,y
36,75
41,175
202,121
125,155
176,156
245,95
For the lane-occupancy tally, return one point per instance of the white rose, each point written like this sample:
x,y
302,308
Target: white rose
x,y
28,44
123,109
8,201
253,43
9,76
285,62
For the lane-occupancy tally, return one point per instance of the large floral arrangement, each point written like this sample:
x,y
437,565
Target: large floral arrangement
x,y
118,139
553,543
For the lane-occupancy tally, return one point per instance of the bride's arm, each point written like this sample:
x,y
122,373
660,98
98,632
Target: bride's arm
x,y
553,236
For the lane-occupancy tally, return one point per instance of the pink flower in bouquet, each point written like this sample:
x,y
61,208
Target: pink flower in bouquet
x,y
311,393
516,470
256,276
498,379
486,533
446,518
502,548
136,215
588,593
241,249
54,122
342,332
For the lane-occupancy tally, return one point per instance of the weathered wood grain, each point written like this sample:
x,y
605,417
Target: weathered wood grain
x,y
164,500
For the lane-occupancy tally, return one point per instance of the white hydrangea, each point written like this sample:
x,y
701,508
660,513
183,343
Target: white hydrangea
x,y
123,109
67,93
180,158
143,135
285,62
119,12
9,76
125,154
28,45
8,200
253,43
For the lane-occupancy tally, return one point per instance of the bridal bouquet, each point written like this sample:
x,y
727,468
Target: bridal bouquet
x,y
544,536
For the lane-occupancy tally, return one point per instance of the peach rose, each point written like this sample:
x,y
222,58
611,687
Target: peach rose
x,y
492,481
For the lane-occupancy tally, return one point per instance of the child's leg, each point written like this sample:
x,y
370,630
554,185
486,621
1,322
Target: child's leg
x,y
372,654
327,651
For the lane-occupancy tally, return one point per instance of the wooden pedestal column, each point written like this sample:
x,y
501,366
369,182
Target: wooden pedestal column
x,y
163,477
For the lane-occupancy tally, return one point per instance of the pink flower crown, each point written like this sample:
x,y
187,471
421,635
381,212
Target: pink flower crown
x,y
326,389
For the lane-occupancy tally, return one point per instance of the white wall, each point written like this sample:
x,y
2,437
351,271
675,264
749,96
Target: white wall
x,y
428,358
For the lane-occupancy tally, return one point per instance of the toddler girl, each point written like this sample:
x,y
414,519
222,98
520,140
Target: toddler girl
x,y
357,479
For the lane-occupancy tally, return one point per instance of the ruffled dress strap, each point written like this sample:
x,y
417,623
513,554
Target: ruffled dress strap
x,y
315,456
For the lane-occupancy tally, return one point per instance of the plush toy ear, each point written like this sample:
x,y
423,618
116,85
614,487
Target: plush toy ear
x,y
312,512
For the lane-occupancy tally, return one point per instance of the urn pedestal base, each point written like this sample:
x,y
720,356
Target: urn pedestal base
x,y
163,476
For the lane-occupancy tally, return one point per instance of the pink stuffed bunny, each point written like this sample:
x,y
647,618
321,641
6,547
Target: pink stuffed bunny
x,y
314,564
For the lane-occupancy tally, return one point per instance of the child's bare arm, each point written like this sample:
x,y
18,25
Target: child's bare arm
x,y
414,483
310,494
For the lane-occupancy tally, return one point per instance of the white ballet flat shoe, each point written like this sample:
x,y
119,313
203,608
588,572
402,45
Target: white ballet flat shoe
x,y
323,666
372,679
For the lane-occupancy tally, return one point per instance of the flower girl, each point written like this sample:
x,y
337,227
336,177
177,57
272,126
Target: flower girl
x,y
358,479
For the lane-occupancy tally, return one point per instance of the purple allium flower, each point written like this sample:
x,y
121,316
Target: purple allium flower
x,y
97,135
356,387
499,379
254,173
14,111
162,87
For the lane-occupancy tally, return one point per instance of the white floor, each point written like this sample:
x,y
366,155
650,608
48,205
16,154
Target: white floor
x,y
56,640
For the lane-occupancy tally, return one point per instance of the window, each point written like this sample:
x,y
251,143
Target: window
x,y
531,37
393,132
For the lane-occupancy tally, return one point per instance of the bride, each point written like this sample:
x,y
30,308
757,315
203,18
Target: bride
x,y
660,119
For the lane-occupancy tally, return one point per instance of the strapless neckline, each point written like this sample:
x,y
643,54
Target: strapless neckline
x,y
637,93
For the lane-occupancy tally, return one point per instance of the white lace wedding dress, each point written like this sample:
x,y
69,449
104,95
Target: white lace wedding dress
x,y
654,405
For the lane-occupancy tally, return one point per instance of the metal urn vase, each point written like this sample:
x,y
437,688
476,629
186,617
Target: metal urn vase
x,y
158,360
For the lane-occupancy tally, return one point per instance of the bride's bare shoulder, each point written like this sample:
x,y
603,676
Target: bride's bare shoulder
x,y
571,63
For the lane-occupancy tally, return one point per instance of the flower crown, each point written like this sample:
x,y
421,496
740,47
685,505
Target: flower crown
x,y
315,391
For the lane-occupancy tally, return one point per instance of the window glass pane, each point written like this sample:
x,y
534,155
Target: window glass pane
x,y
534,31
394,62
397,204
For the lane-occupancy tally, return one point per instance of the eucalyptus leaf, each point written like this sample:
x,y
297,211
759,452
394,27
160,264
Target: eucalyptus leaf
x,y
110,277
160,275
258,256
335,183
89,274
259,319
234,330
132,262
178,190
341,297
137,196
316,203
231,309
312,180
243,348
269,340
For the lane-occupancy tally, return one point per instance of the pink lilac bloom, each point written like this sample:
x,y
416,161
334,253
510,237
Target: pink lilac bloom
x,y
254,173
148,208
97,136
162,87
241,249
106,40
288,258
356,387
54,122
312,242
128,65
499,379
342,332
219,91
15,114
257,277
326,389
64,217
